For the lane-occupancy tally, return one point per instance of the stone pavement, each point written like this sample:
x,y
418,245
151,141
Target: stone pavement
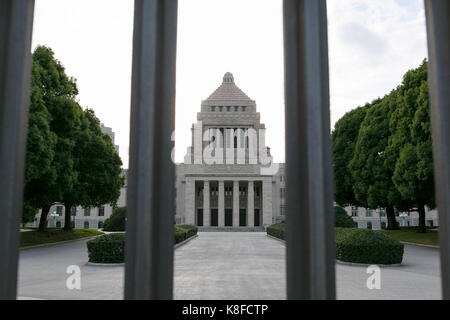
x,y
224,265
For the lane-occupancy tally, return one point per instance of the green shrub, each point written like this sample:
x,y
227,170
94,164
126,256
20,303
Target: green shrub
x,y
190,230
342,219
277,230
180,234
108,248
367,246
184,232
116,222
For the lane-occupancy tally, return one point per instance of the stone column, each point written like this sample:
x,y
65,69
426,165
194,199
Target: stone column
x,y
206,208
236,204
189,202
221,204
267,202
250,204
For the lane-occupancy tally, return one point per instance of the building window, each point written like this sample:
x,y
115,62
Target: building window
x,y
243,109
100,224
282,193
383,225
382,212
236,109
242,191
58,224
101,211
354,211
235,142
282,210
213,108
59,210
257,191
73,211
200,191
87,212
228,108
86,224
368,212
220,108
369,225
397,213
228,191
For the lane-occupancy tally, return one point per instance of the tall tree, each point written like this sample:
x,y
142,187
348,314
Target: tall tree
x,y
372,176
344,138
414,175
98,168
41,142
57,92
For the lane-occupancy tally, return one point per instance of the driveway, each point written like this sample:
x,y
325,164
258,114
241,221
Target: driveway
x,y
222,265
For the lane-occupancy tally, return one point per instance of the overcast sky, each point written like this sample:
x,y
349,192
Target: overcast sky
x,y
372,43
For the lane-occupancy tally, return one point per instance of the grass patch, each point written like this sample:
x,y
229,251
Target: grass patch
x,y
53,235
429,238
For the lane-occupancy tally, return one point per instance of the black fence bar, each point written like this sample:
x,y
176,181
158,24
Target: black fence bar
x,y
310,218
16,22
438,28
150,204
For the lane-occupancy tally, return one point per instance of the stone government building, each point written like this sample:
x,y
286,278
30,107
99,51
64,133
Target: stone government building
x,y
228,180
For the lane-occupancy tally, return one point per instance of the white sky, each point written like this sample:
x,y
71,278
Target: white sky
x,y
372,43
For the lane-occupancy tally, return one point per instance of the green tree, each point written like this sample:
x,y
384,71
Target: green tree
x,y
41,143
414,175
56,92
344,138
372,176
97,166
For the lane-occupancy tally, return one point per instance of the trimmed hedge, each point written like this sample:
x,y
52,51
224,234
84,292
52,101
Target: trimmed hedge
x,y
184,232
357,245
277,230
367,246
109,248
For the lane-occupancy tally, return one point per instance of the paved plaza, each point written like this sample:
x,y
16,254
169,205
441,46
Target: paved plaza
x,y
222,265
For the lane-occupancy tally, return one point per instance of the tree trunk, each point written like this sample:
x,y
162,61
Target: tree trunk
x,y
43,220
422,226
67,220
392,222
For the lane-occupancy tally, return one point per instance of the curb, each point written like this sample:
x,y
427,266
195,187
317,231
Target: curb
x,y
367,264
51,244
184,241
349,263
95,264
420,245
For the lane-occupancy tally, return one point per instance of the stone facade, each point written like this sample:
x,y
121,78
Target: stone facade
x,y
376,219
228,179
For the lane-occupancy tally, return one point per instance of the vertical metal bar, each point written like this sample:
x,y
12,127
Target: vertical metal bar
x,y
438,29
16,22
310,217
150,209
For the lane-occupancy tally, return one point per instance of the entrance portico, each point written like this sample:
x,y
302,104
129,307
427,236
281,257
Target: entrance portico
x,y
228,201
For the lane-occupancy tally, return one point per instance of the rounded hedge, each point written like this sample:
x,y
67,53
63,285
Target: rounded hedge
x,y
108,248
367,246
